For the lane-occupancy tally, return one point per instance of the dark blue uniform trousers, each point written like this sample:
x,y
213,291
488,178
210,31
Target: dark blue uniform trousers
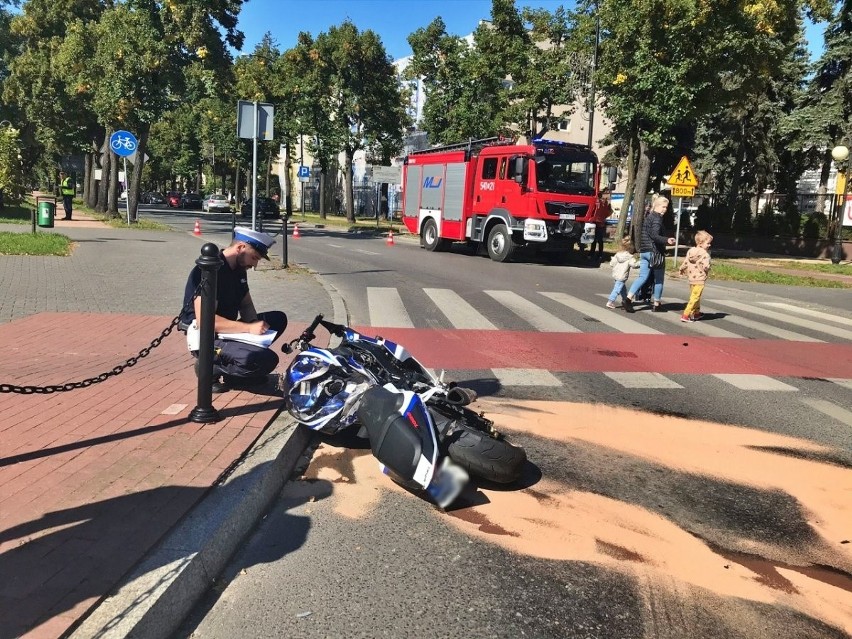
x,y
238,359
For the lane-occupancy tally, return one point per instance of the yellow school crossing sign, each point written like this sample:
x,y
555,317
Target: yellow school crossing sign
x,y
683,179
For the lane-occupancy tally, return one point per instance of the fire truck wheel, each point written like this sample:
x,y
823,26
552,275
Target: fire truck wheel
x,y
500,244
429,237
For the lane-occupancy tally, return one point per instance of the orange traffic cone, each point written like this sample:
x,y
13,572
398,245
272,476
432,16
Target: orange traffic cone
x,y
390,241
296,234
197,229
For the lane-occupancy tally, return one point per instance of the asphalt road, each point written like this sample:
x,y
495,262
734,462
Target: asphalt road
x,y
696,507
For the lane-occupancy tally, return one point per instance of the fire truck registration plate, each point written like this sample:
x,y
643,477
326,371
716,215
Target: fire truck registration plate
x,y
567,216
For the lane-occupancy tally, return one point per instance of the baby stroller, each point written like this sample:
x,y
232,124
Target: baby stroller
x,y
646,293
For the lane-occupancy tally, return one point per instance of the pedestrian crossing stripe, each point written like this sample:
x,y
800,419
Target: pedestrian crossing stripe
x,y
386,308
754,382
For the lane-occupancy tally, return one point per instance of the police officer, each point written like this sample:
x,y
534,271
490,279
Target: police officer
x,y
66,190
240,363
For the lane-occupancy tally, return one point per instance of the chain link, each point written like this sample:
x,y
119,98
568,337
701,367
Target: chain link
x,y
117,370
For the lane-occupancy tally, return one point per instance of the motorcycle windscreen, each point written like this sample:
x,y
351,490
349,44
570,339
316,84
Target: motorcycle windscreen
x,y
400,433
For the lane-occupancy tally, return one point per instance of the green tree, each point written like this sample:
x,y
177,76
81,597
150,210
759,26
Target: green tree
x,y
461,97
822,119
363,94
557,71
11,175
665,64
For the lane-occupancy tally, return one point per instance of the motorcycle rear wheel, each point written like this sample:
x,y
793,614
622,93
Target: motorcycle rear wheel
x,y
486,457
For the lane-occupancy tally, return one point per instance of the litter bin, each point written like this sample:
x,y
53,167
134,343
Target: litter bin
x,y
46,213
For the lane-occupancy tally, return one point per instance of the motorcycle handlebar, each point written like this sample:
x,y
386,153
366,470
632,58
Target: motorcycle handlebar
x,y
308,334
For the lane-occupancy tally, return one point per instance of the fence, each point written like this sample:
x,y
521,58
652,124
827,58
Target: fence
x,y
366,197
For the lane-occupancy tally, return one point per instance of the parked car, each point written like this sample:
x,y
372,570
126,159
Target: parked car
x,y
216,202
152,197
173,200
190,201
266,207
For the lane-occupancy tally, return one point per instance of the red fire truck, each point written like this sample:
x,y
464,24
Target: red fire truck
x,y
502,196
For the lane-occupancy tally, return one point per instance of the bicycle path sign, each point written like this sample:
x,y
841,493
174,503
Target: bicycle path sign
x,y
123,143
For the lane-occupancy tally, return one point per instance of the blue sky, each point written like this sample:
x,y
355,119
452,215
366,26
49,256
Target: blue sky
x,y
392,20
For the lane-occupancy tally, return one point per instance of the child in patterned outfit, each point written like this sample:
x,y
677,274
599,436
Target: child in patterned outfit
x,y
696,265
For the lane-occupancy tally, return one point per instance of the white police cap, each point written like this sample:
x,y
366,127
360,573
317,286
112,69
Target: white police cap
x,y
260,242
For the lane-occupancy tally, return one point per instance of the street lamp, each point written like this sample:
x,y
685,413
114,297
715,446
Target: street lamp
x,y
840,154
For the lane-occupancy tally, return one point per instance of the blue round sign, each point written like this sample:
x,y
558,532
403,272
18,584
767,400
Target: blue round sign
x,y
123,143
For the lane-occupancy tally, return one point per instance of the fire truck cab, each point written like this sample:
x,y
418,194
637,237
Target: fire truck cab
x,y
501,196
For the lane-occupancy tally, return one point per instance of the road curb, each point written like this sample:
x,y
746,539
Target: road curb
x,y
155,598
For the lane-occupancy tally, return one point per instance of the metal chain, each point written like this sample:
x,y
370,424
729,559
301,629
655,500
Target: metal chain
x,y
61,388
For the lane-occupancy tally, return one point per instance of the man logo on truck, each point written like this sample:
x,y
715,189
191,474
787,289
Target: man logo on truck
x,y
431,183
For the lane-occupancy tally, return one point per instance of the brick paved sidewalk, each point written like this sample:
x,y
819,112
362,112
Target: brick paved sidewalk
x,y
92,478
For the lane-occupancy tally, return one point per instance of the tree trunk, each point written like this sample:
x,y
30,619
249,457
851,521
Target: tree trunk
x,y
347,186
628,191
136,173
642,173
822,189
113,193
88,161
237,199
288,187
103,184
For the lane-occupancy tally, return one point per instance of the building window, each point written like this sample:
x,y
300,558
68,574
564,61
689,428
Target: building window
x,y
564,125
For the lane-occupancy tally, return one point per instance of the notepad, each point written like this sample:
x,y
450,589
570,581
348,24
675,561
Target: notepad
x,y
248,338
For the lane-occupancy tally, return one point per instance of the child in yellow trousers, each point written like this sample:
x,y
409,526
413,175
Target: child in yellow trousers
x,y
696,266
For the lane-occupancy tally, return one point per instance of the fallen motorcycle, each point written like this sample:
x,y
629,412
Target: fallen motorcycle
x,y
419,427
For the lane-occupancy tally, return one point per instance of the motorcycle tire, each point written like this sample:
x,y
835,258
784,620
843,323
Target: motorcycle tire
x,y
483,456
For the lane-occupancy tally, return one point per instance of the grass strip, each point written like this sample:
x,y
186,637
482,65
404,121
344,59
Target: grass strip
x,y
34,244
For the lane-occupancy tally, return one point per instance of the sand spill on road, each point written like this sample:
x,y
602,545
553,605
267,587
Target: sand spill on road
x,y
551,520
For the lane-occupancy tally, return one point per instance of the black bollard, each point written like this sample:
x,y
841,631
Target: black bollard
x,y
209,263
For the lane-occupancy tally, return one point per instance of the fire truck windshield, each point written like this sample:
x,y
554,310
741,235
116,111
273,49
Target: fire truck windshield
x,y
565,170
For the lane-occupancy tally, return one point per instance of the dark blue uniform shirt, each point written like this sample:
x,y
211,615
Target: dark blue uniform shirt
x,y
231,290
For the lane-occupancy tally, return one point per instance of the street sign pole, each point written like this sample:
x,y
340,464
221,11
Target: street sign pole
x,y
254,172
677,231
127,190
123,144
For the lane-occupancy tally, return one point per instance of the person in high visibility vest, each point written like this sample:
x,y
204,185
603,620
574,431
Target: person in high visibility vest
x,y
66,190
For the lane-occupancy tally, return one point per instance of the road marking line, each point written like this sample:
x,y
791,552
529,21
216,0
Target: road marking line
x,y
611,317
780,333
460,313
845,383
827,408
335,245
385,308
705,328
755,382
786,318
643,380
525,377
838,319
365,252
532,313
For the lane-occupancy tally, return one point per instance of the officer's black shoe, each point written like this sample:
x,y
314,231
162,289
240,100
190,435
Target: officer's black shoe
x,y
219,386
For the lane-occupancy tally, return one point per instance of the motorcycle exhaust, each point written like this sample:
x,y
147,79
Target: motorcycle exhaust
x,y
461,396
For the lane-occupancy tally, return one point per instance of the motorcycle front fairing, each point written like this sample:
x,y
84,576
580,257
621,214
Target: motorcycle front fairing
x,y
395,350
